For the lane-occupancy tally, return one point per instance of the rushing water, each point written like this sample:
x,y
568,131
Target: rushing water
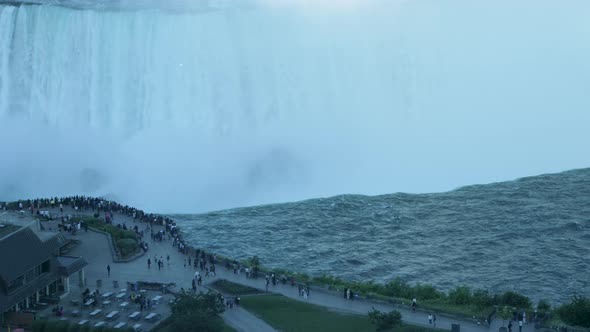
x,y
215,104
531,235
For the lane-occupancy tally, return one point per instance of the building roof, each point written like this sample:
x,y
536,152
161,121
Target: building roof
x,y
6,229
69,264
21,251
54,242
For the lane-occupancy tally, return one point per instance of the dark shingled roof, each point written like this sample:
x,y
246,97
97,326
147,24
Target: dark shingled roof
x,y
68,265
55,242
20,252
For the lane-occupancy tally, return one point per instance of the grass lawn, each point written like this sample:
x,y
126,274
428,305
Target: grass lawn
x,y
290,315
461,310
234,289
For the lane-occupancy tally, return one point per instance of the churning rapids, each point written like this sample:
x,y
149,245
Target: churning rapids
x,y
531,235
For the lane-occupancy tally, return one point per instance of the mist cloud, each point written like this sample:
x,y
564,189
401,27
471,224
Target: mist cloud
x,y
207,110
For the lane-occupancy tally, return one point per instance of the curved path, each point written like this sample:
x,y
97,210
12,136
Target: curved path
x,y
96,251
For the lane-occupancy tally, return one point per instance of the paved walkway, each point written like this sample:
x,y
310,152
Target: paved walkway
x,y
96,251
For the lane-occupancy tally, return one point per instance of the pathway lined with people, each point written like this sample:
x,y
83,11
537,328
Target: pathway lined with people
x,y
95,249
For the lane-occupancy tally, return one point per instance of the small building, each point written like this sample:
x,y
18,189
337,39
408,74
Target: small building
x,y
33,274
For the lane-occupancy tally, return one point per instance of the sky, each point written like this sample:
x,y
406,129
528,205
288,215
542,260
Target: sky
x,y
198,110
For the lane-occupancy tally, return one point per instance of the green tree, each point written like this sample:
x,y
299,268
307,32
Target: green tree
x,y
255,261
514,299
385,321
197,312
543,306
505,313
576,312
209,303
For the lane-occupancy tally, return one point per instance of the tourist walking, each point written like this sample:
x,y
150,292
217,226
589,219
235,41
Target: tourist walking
x,y
149,263
519,326
429,318
434,319
109,270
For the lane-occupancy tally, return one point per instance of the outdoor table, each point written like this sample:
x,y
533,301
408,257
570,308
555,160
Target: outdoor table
x,y
83,322
135,315
107,295
123,290
89,302
112,314
151,316
76,313
95,312
156,298
120,325
124,305
99,324
137,327
120,296
106,303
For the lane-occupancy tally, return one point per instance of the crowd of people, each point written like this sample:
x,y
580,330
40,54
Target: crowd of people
x,y
199,260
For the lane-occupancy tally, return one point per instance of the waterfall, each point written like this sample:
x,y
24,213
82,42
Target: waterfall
x,y
254,104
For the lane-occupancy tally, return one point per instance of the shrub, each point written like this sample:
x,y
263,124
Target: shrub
x,y
543,306
577,312
481,298
385,321
398,288
460,295
127,247
427,292
196,312
514,299
505,313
